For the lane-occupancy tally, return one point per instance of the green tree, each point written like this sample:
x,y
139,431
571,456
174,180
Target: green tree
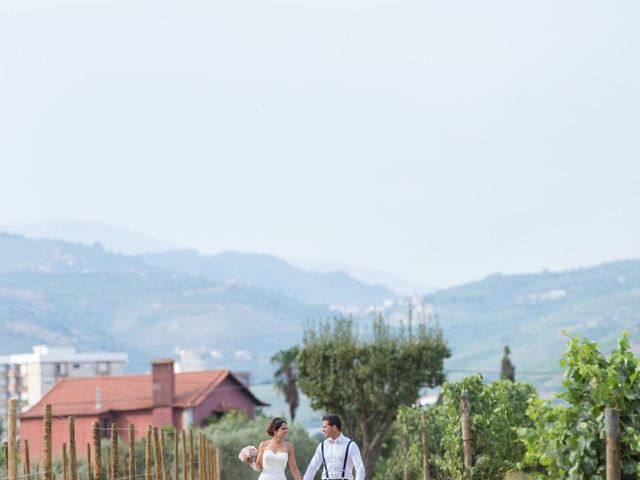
x,y
566,440
286,378
507,369
366,378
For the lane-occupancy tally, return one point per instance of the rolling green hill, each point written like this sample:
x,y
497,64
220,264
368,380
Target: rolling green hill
x,y
528,312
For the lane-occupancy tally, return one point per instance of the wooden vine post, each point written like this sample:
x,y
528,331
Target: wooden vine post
x,y
218,466
27,461
88,461
201,470
156,454
132,452
73,456
612,428
115,460
147,455
65,462
97,453
12,457
163,456
184,455
405,451
212,455
191,456
47,461
426,474
176,458
466,433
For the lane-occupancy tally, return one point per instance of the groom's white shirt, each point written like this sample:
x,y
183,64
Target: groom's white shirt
x,y
334,451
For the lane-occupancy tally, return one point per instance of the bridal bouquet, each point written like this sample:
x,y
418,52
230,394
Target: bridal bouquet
x,y
249,455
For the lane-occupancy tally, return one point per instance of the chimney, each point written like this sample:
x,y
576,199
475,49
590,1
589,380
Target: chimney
x,y
164,391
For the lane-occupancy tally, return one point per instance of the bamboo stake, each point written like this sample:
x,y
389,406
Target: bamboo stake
x,y
426,474
163,456
11,458
73,459
147,455
46,467
97,454
612,428
108,465
132,452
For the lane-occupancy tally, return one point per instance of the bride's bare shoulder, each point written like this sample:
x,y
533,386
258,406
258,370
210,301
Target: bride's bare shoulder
x,y
263,444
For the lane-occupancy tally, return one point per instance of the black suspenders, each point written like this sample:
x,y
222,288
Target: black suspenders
x,y
344,465
346,457
324,464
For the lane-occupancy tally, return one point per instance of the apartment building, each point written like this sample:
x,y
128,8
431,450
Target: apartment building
x,y
29,376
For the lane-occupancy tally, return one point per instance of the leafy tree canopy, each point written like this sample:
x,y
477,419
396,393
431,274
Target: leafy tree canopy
x,y
365,377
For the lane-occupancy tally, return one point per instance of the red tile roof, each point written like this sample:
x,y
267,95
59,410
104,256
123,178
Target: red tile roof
x,y
78,396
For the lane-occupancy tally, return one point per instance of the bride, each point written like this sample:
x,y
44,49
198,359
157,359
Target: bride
x,y
274,455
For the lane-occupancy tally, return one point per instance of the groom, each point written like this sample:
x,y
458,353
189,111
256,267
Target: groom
x,y
337,455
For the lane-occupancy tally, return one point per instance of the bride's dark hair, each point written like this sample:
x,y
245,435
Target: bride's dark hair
x,y
274,425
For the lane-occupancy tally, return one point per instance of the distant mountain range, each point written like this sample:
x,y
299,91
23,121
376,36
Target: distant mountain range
x,y
124,240
271,273
245,307
87,232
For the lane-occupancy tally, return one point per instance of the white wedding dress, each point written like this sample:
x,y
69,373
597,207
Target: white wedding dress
x,y
273,465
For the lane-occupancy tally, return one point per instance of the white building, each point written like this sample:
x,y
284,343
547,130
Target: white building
x,y
28,376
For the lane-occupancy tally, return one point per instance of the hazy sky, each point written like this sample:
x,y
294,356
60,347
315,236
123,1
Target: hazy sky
x,y
441,141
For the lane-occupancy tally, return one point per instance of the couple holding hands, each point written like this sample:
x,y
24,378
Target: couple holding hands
x,y
337,455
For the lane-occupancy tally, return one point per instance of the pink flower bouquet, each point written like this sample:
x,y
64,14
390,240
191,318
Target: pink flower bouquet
x,y
249,455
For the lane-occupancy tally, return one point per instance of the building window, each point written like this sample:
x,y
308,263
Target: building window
x,y
61,369
76,365
103,368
